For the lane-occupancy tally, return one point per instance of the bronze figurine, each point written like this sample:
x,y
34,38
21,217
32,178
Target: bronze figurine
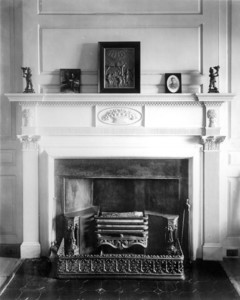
x,y
27,73
213,73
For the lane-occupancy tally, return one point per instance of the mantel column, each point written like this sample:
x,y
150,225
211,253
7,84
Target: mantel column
x,y
30,247
212,248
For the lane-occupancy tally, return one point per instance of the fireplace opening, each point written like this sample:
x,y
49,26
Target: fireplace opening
x,y
122,206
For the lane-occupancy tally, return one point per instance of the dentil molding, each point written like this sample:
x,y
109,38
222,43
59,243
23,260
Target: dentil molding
x,y
120,99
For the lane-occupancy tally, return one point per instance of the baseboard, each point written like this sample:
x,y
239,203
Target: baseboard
x,y
212,251
10,250
30,250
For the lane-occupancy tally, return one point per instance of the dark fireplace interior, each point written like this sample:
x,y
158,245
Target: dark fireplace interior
x,y
156,187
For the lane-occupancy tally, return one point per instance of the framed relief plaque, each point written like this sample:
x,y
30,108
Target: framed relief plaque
x,y
119,67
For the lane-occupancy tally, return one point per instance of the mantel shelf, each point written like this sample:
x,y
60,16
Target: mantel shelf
x,y
91,99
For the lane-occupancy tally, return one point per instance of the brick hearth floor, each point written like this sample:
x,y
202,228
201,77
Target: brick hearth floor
x,y
34,280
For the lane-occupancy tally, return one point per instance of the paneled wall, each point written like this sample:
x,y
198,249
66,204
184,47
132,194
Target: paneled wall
x,y
10,153
186,36
232,207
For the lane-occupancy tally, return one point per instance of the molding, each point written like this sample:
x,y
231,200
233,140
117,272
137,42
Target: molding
x,y
30,250
29,142
213,98
41,11
212,251
115,24
10,231
234,158
117,131
120,99
212,143
7,157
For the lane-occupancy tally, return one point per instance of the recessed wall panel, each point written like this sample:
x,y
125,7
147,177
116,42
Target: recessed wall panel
x,y
120,6
7,157
234,207
8,205
162,49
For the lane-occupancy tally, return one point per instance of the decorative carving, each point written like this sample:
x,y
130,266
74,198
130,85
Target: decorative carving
x,y
70,241
54,249
128,214
212,143
171,233
212,115
119,116
27,117
71,236
121,265
123,100
122,243
29,142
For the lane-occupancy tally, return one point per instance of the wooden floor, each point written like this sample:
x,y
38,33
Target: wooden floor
x,y
8,267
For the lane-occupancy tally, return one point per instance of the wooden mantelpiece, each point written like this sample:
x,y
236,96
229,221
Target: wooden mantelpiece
x,y
160,126
137,114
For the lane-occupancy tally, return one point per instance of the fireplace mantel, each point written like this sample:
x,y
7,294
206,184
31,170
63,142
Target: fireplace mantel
x,y
160,126
122,114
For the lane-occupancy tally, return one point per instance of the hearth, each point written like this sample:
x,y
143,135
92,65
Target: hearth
x,y
121,217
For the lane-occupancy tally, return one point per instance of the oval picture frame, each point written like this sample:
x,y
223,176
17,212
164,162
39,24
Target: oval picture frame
x,y
173,83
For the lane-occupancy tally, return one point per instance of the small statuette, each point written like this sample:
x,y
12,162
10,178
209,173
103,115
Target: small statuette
x,y
27,73
213,73
212,115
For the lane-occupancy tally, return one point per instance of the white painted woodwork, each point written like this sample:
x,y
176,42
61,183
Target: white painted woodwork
x,y
186,36
123,6
63,137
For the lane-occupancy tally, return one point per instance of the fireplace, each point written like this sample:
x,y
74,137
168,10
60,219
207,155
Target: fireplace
x,y
120,185
166,127
122,207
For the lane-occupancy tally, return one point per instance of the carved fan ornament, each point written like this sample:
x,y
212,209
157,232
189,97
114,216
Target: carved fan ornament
x,y
119,116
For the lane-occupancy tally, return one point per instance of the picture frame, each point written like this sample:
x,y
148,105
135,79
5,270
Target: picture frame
x,y
173,83
70,80
119,67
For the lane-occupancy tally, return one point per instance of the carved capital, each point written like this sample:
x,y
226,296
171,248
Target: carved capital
x,y
212,143
29,142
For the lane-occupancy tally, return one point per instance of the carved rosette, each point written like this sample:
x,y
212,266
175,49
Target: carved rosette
x,y
119,116
29,142
212,143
